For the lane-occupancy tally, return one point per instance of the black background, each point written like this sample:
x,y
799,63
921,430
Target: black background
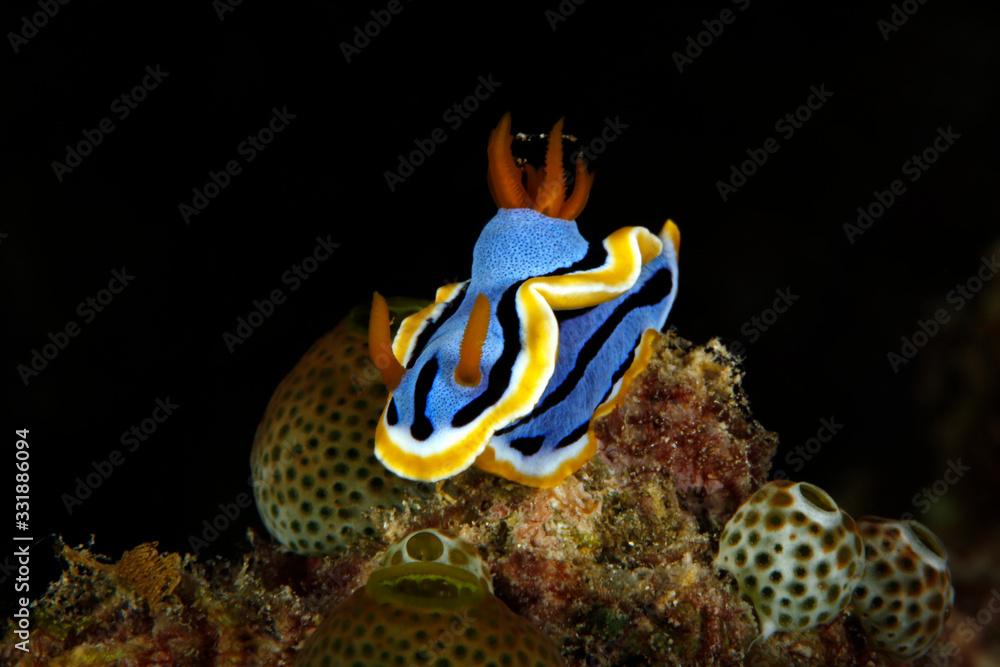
x,y
324,175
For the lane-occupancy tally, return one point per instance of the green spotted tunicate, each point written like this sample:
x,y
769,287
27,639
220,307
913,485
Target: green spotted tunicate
x,y
429,603
314,469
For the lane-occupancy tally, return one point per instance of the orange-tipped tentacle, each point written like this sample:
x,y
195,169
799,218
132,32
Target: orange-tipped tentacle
x,y
380,343
467,371
552,191
581,191
503,175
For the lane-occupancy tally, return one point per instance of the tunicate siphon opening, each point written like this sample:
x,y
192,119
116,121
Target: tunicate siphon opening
x,y
818,497
928,539
425,587
424,546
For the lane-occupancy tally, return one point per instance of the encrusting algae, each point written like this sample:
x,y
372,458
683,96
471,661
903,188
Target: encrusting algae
x,y
614,566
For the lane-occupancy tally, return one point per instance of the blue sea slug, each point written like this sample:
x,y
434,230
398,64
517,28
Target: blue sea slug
x,y
508,369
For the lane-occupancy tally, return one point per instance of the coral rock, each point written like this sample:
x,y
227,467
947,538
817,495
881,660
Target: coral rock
x,y
688,418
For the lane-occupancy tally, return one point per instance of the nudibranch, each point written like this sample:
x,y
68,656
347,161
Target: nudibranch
x,y
430,602
509,369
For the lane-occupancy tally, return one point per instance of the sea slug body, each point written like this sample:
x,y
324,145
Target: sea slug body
x,y
508,369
